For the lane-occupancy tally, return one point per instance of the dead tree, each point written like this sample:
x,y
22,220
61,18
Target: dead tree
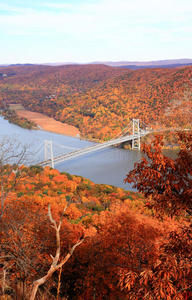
x,y
55,260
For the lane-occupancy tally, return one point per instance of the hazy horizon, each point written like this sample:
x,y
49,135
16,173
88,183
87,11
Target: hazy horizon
x,y
115,63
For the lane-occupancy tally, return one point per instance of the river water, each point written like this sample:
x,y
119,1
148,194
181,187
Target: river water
x,y
108,166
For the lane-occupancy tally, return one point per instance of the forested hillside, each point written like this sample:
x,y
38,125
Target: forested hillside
x,y
73,239
101,100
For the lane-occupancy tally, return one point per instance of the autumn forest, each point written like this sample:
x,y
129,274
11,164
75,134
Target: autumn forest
x,y
63,236
101,100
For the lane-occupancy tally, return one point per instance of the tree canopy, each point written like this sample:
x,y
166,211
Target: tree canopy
x,y
130,253
167,181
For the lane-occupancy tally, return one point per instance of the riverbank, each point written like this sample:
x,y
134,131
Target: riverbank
x,y
49,124
13,118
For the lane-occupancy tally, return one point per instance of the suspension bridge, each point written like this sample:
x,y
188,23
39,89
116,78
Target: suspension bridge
x,y
132,132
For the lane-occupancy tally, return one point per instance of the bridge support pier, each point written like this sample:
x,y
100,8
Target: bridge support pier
x,y
136,143
49,152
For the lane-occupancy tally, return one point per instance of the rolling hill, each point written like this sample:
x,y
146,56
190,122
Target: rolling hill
x,y
101,100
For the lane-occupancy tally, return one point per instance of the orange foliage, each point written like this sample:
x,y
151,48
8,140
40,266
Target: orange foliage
x,y
129,253
101,100
168,181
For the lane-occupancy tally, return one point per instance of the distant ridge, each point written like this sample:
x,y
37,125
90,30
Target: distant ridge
x,y
61,64
148,63
43,64
172,63
134,65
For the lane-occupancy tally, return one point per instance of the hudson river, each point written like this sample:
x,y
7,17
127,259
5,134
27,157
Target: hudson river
x,y
108,166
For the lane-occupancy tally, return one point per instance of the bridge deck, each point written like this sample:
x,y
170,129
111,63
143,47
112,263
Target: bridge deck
x,y
90,149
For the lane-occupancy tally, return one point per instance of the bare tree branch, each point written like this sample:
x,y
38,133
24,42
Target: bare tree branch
x,y
12,155
55,265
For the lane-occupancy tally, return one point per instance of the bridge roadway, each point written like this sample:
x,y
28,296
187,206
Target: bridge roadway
x,y
89,149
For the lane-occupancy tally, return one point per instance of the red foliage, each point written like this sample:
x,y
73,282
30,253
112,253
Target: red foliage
x,y
168,181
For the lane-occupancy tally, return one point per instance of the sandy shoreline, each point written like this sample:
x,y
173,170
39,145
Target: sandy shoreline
x,y
49,124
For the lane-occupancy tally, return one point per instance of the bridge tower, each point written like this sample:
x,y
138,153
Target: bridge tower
x,y
49,152
136,143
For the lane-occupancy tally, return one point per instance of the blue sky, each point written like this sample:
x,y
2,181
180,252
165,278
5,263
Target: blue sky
x,y
40,31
